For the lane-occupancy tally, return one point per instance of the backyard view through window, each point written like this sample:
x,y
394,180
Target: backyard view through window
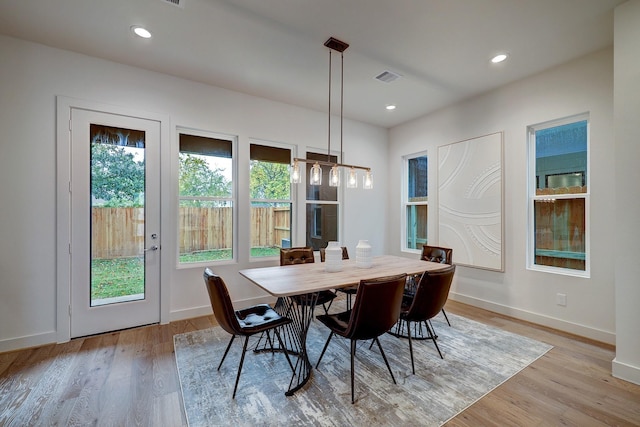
x,y
416,202
270,192
117,214
205,214
559,196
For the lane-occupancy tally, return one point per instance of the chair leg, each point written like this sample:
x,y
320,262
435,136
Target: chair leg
x,y
446,318
433,338
324,349
353,356
244,350
226,351
386,361
413,368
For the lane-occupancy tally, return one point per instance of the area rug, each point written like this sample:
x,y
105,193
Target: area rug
x,y
477,359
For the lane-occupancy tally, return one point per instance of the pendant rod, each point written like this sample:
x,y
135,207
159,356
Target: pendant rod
x,y
341,97
329,126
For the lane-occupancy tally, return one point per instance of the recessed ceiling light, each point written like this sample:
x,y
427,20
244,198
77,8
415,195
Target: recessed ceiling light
x,y
499,58
391,107
141,32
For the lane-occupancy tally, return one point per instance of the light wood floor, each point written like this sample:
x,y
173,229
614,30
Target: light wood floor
x,y
129,378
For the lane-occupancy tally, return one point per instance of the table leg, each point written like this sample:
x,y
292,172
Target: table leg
x,y
294,335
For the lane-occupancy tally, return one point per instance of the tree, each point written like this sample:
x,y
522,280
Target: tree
x,y
116,177
197,178
269,181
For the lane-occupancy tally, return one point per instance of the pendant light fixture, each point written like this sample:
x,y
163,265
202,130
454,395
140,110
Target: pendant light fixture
x,y
315,173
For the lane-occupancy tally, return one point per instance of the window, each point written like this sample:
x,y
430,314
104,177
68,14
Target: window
x,y
206,197
559,196
271,202
416,202
322,208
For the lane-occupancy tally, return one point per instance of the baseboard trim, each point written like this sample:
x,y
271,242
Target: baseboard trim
x,y
35,340
625,372
540,319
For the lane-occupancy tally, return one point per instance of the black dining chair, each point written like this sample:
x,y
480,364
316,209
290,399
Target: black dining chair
x,y
245,322
304,255
349,291
441,255
431,295
376,309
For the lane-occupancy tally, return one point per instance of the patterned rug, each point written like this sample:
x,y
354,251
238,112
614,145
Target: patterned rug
x,y
477,359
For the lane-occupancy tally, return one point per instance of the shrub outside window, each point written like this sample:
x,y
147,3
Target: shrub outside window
x,y
206,197
559,196
271,202
416,202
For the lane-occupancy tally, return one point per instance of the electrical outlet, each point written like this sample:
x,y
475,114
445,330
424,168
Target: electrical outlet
x,y
561,299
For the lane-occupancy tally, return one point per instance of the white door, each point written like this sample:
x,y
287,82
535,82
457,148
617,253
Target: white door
x,y
115,222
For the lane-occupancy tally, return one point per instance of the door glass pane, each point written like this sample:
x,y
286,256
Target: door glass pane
x,y
117,214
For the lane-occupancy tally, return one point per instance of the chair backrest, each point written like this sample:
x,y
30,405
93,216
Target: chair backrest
x,y
437,254
345,253
431,294
221,302
377,307
290,256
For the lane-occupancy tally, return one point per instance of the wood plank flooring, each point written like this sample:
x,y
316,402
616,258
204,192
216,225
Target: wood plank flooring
x,y
129,378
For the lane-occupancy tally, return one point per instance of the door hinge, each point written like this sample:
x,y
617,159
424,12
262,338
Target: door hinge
x,y
69,310
69,187
70,125
69,248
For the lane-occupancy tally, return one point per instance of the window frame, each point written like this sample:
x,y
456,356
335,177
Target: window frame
x,y
406,203
233,198
338,202
291,200
532,197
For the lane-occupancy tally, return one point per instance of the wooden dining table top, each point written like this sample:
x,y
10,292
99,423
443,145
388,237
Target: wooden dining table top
x,y
287,280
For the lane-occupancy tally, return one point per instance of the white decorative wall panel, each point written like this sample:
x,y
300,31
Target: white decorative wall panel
x,y
470,201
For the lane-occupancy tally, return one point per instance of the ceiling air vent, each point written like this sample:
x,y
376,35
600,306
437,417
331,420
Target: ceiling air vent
x,y
388,76
178,3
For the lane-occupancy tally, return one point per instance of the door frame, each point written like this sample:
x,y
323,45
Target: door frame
x,y
64,105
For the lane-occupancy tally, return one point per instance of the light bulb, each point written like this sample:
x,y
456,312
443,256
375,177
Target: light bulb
x,y
352,180
295,173
334,176
367,180
315,176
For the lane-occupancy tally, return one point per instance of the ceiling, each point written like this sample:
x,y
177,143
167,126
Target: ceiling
x,y
275,48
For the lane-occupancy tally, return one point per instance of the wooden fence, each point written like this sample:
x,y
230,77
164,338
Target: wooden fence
x,y
119,232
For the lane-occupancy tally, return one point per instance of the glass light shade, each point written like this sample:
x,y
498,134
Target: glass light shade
x,y
352,179
295,173
367,180
315,176
334,177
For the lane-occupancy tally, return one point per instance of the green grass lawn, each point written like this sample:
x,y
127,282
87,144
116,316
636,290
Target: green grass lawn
x,y
125,276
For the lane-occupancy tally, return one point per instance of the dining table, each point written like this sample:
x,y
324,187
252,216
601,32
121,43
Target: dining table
x,y
296,288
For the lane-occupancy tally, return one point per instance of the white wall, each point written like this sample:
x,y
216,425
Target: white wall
x,y
33,75
584,85
627,174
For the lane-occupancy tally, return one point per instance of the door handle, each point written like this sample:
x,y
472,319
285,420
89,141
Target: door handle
x,y
152,248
